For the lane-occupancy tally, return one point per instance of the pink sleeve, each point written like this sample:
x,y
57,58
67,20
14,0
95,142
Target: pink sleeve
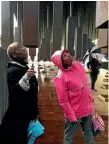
x,y
61,90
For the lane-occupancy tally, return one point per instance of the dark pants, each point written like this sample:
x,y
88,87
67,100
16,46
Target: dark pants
x,y
93,76
16,135
13,130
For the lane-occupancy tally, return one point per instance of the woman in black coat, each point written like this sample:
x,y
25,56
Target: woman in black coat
x,y
23,101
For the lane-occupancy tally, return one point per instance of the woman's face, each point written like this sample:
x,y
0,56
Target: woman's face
x,y
21,54
67,59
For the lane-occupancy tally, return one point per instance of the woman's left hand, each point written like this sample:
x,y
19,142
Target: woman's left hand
x,y
36,119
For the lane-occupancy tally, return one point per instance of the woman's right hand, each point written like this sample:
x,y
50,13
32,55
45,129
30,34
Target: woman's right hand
x,y
30,73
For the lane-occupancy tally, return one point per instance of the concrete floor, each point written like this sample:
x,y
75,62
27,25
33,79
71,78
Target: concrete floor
x,y
52,115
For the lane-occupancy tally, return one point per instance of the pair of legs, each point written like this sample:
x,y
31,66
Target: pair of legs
x,y
71,128
93,76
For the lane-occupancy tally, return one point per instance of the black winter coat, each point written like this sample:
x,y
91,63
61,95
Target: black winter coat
x,y
23,106
94,64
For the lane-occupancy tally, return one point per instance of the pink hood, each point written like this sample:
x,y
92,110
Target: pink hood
x,y
72,89
56,59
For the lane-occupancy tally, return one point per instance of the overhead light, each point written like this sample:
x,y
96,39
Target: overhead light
x,y
95,41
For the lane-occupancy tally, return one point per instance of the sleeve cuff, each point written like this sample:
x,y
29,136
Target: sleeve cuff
x,y
24,82
73,120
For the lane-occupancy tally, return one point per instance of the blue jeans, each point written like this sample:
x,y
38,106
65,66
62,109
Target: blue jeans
x,y
71,128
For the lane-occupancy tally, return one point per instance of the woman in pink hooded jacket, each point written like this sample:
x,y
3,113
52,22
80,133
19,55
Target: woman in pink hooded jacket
x,y
74,95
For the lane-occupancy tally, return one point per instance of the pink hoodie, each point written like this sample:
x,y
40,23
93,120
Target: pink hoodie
x,y
73,90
